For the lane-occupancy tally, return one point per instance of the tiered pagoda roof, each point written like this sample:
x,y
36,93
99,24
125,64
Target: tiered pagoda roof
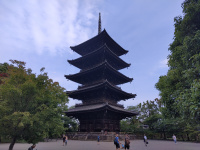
x,y
107,72
98,41
104,88
99,76
98,107
95,57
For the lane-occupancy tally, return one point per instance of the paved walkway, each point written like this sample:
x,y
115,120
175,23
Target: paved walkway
x,y
92,145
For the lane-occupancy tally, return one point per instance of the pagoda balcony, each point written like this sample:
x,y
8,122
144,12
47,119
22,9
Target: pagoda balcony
x,y
114,104
85,86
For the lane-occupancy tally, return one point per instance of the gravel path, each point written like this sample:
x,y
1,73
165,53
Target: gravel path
x,y
93,145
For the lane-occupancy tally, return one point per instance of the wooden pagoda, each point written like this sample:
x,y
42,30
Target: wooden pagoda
x,y
99,76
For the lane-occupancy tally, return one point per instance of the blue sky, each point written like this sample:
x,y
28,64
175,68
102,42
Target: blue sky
x,y
41,32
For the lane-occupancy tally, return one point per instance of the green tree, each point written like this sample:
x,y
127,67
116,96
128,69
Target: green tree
x,y
132,124
179,89
31,106
70,124
3,72
149,113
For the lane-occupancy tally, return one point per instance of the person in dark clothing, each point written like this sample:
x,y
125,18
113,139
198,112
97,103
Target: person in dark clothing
x,y
64,138
127,142
32,147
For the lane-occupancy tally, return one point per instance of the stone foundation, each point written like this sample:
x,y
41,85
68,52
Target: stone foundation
x,y
92,136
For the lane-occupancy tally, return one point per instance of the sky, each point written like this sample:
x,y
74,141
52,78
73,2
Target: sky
x,y
40,33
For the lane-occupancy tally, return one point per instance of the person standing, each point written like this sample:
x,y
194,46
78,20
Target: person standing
x,y
145,140
64,138
32,147
174,138
98,139
127,142
117,143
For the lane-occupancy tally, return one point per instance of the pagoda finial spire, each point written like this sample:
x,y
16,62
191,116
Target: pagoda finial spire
x,y
99,25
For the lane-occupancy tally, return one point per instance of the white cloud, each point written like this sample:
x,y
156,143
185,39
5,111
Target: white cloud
x,y
163,63
45,26
160,66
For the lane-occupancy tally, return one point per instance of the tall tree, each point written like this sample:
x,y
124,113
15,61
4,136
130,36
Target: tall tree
x,y
179,89
3,72
149,114
132,124
31,106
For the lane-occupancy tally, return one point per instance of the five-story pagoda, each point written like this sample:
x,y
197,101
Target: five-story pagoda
x,y
99,64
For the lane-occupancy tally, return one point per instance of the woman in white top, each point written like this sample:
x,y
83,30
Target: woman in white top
x,y
174,138
145,140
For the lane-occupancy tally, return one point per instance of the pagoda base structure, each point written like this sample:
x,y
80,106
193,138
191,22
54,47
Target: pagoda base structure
x,y
99,117
104,136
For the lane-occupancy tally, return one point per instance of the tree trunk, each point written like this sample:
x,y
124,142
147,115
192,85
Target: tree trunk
x,y
12,143
182,137
188,138
195,138
164,136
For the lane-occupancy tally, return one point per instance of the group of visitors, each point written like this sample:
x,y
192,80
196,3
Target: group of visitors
x,y
126,144
65,138
117,143
146,142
